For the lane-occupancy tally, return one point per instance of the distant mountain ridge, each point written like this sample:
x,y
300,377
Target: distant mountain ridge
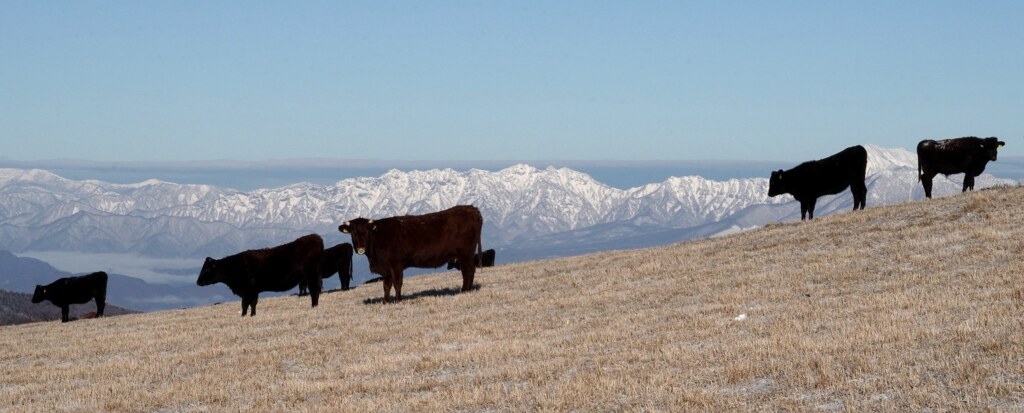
x,y
22,274
521,204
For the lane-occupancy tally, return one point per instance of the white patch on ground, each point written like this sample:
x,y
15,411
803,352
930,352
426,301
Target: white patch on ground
x,y
831,406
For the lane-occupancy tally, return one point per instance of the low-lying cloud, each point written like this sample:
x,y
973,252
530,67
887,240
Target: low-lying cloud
x,y
150,269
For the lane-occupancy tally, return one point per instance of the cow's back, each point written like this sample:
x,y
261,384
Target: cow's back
x,y
270,267
79,289
830,175
426,241
948,156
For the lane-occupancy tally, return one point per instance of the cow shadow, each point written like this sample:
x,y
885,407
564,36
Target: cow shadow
x,y
442,292
331,291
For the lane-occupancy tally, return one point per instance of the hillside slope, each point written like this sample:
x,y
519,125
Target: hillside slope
x,y
17,308
908,307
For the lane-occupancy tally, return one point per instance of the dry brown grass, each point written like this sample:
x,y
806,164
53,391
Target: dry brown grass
x,y
901,308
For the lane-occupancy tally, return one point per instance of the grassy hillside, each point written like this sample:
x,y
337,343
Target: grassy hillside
x,y
17,308
902,308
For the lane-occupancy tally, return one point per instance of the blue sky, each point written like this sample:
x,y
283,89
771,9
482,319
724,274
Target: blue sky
x,y
587,80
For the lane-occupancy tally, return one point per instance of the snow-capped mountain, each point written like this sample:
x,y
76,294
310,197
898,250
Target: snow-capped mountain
x,y
42,211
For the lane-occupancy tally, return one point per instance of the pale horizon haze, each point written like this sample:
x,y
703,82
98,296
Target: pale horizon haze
x,y
455,81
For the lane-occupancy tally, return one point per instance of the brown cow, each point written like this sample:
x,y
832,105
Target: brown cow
x,y
422,241
270,269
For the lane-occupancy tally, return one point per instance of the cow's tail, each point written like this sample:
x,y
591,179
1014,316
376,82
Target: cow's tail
x,y
102,290
479,244
479,252
920,170
350,270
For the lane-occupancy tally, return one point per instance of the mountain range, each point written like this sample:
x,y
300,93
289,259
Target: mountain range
x,y
521,205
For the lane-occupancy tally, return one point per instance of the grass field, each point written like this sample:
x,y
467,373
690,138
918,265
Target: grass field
x,y
909,307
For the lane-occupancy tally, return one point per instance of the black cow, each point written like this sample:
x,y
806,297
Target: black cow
x,y
487,260
967,155
335,260
280,268
74,290
422,241
812,179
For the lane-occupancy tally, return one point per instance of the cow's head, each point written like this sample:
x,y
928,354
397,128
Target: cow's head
x,y
211,273
359,229
990,146
39,295
775,184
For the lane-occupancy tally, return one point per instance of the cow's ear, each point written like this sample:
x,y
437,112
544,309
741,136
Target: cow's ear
x,y
343,228
208,260
1001,143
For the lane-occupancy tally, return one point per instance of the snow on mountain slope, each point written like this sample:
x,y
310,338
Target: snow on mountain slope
x,y
40,210
888,159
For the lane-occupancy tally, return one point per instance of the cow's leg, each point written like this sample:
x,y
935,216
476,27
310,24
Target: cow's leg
x,y
810,208
926,182
860,195
64,310
345,277
101,303
968,182
249,304
397,275
302,287
468,271
315,285
803,210
386,280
